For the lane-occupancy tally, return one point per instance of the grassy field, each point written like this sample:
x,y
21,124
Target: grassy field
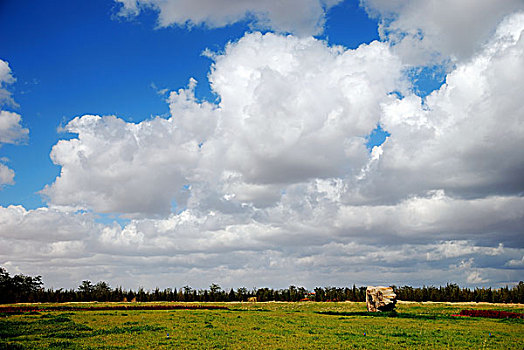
x,y
264,325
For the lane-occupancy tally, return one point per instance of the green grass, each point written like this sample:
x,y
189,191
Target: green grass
x,y
265,325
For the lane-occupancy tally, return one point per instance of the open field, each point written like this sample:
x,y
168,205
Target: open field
x,y
262,325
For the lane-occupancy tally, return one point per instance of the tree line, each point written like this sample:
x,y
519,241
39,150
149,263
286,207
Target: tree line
x,y
21,288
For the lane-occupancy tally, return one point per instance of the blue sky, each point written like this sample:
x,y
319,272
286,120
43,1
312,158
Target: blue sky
x,y
89,62
72,59
343,111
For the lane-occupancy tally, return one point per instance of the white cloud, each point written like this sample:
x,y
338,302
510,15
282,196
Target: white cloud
x,y
475,278
5,73
466,137
10,129
43,224
290,110
6,78
516,262
302,17
114,166
473,275
297,106
437,217
262,247
6,175
274,184
452,249
427,31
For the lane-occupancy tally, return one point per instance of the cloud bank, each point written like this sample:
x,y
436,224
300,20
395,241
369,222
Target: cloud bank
x,y
429,31
274,184
301,17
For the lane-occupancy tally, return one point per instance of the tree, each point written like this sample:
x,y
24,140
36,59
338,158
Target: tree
x,y
242,293
101,291
214,290
18,288
86,290
86,287
5,285
188,296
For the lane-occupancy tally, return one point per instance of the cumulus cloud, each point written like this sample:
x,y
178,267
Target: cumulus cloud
x,y
43,224
302,17
11,131
114,166
466,137
299,106
6,78
6,175
273,184
290,110
429,31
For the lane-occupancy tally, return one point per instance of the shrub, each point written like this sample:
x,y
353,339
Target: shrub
x,y
491,314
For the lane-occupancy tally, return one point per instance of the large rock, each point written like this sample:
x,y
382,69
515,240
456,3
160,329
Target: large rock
x,y
380,299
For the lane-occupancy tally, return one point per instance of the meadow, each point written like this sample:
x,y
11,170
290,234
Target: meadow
x,y
271,325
